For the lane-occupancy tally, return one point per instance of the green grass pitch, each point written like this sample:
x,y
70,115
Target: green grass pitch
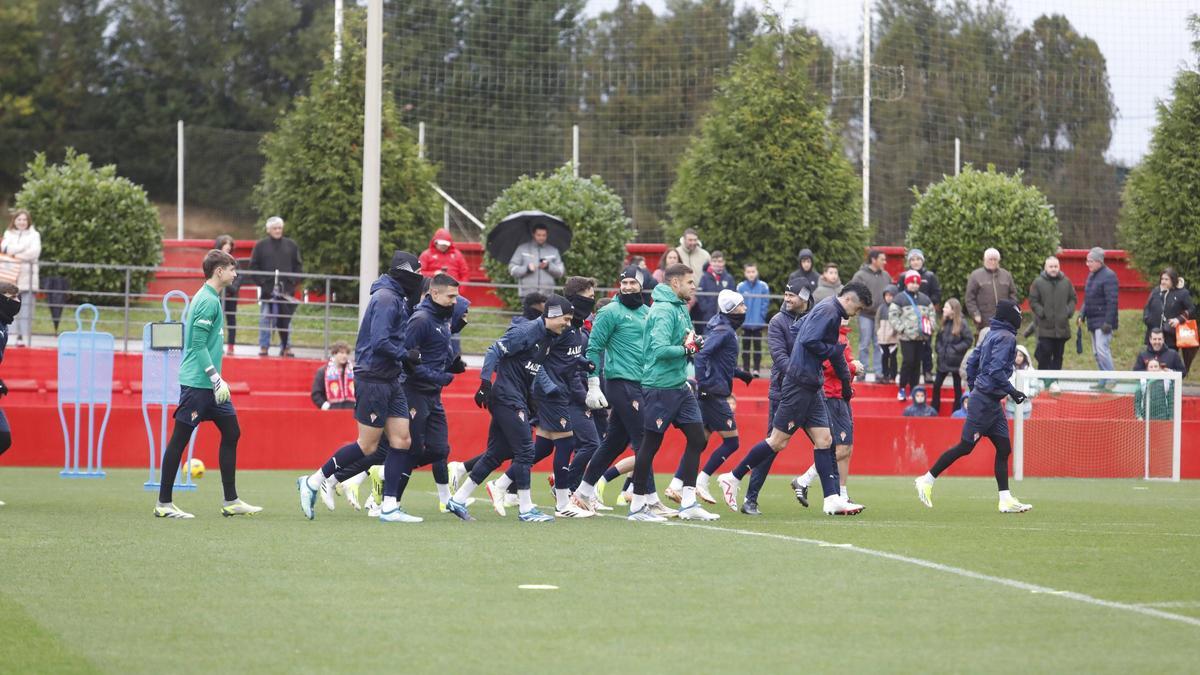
x,y
1099,577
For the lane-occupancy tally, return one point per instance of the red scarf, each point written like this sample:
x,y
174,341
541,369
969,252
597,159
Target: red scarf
x,y
339,383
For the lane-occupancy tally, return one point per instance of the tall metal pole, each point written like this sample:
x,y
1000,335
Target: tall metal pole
x,y
575,149
337,31
368,261
866,123
957,155
179,180
420,140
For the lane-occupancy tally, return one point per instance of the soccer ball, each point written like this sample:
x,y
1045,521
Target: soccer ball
x,y
196,468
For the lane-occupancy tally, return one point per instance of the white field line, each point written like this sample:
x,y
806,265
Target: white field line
x,y
1054,530
1179,604
958,571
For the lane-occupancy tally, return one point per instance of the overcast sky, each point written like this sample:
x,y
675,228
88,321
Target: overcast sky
x,y
1144,41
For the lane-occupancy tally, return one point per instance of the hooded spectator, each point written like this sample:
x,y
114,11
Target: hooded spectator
x,y
1100,307
1030,386
919,407
1168,306
1052,299
986,287
714,280
806,273
691,253
829,284
443,256
874,277
885,333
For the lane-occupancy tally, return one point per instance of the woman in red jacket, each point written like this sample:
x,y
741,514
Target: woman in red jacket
x,y
443,256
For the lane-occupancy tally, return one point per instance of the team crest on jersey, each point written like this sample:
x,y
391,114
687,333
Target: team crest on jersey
x,y
521,415
658,422
374,417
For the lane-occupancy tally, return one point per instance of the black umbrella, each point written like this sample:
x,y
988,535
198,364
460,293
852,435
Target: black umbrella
x,y
517,228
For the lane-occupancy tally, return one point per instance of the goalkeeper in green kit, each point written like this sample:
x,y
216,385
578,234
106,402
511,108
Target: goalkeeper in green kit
x,y
203,395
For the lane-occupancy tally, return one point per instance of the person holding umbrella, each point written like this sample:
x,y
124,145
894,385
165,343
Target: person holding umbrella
x,y
536,264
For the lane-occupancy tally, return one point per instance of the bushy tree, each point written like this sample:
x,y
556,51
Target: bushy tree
x,y
595,214
1160,218
313,175
955,220
766,176
91,215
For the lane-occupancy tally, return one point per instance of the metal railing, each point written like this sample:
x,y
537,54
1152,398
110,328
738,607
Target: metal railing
x,y
315,321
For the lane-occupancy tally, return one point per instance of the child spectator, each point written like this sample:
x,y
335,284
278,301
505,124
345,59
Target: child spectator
x,y
919,408
885,336
1029,387
829,285
333,385
755,292
953,342
911,314
961,413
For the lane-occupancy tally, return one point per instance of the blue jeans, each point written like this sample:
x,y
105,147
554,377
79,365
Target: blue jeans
x,y
868,344
1102,349
267,311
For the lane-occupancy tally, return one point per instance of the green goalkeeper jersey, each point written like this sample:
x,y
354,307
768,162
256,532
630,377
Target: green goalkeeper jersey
x,y
203,338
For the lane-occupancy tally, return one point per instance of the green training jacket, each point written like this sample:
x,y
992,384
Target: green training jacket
x,y
666,327
617,337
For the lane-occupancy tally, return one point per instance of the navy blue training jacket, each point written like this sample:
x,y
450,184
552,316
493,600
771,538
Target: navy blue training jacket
x,y
817,342
717,360
991,364
430,335
381,336
516,359
779,344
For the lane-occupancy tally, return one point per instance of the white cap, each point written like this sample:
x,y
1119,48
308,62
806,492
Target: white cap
x,y
728,300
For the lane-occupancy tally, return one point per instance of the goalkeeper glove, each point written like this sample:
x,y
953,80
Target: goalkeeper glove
x,y
595,398
220,389
693,343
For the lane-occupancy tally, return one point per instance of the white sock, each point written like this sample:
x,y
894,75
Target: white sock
x,y
652,498
561,498
389,504
845,495
1005,494
809,475
927,478
315,480
676,484
637,503
503,482
586,490
356,479
443,493
465,490
526,500
702,479
687,497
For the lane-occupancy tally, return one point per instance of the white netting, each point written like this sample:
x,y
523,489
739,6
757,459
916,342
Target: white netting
x,y
1098,425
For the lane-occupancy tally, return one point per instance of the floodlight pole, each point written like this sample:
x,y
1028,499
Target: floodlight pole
x,y
368,260
957,155
179,180
337,31
866,121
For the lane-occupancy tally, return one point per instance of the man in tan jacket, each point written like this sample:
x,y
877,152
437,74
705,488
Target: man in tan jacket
x,y
986,287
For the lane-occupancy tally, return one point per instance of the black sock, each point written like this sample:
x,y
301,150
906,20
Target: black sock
x,y
5,441
441,475
563,448
346,456
727,447
757,455
827,470
230,433
397,469
1003,450
950,456
690,462
171,458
